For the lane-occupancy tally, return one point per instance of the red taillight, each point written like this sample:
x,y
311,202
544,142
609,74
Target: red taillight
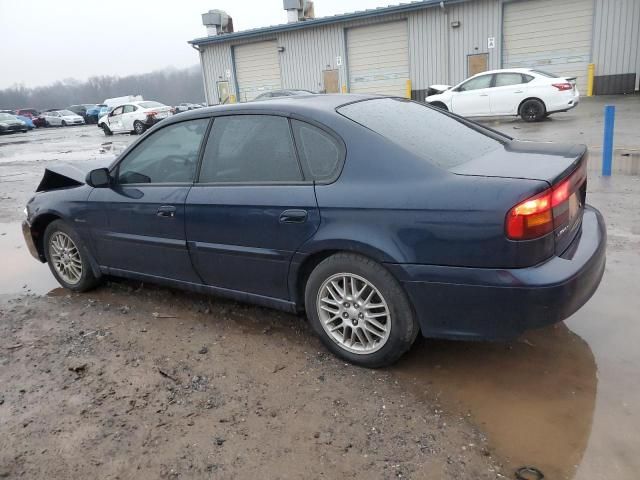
x,y
563,86
541,214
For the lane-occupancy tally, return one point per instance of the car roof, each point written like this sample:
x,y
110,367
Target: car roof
x,y
504,70
300,104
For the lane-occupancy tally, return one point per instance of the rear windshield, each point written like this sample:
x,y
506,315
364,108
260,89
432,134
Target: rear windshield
x,y
151,104
545,74
442,140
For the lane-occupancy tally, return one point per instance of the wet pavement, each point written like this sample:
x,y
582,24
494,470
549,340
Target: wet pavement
x,y
565,399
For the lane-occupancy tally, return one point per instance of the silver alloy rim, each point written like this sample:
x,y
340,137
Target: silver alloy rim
x,y
354,313
65,257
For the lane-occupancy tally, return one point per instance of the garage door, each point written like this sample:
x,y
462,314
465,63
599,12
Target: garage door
x,y
257,69
378,58
549,35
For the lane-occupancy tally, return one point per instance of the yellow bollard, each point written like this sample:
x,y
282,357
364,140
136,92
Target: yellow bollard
x,y
591,68
232,98
408,91
344,89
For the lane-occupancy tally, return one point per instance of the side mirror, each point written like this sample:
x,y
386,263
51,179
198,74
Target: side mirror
x,y
99,178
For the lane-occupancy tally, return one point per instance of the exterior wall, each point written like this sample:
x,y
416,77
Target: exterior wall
x,y
437,52
616,45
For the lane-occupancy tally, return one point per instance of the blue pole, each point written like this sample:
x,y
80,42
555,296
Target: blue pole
x,y
607,145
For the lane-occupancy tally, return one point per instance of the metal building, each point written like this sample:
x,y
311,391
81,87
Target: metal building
x,y
403,49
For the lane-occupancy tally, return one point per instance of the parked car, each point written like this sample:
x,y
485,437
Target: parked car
x,y
92,114
82,110
10,124
430,223
27,121
532,94
28,112
40,121
134,117
184,107
282,93
61,118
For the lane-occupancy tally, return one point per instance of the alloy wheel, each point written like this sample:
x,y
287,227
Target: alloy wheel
x,y
65,257
353,313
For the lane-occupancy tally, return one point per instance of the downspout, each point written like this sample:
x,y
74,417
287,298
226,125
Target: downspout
x,y
447,47
204,78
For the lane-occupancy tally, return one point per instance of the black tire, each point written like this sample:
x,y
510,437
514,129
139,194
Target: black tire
x,y
87,279
107,131
139,127
403,325
64,124
532,110
440,106
46,123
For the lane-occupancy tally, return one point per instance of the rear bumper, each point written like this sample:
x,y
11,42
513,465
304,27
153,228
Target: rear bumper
x,y
478,303
564,104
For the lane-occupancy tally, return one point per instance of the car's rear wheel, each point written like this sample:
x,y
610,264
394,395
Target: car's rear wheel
x,y
107,131
67,257
139,127
532,110
64,124
359,310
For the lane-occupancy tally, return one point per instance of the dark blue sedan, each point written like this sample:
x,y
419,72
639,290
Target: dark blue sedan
x,y
381,217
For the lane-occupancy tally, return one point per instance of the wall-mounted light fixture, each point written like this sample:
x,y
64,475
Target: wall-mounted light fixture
x,y
455,24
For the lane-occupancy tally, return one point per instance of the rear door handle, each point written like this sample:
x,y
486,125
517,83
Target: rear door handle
x,y
166,211
293,216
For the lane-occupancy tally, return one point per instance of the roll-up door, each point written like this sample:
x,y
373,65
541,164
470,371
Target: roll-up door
x,y
257,69
549,35
378,58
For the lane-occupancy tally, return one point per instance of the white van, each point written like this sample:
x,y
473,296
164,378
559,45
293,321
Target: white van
x,y
117,101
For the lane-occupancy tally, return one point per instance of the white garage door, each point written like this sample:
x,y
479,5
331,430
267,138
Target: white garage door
x,y
257,69
378,58
550,35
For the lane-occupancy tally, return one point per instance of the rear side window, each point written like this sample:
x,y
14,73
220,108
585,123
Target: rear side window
x,y
442,140
506,79
250,149
320,153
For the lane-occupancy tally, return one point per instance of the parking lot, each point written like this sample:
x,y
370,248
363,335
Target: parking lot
x,y
148,382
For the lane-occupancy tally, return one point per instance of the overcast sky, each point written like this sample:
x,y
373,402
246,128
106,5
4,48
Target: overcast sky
x,y
48,40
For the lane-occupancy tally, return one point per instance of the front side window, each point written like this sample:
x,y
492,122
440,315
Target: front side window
x,y
319,152
129,109
506,79
250,149
117,111
169,155
484,81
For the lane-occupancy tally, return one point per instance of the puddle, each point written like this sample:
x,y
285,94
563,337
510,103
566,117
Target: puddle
x,y
21,273
534,398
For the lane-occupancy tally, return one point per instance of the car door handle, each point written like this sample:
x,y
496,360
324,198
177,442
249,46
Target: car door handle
x,y
293,216
519,91
166,211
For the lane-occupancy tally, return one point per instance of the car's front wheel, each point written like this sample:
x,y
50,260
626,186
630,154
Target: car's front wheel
x,y
64,124
107,131
67,257
532,110
139,127
359,310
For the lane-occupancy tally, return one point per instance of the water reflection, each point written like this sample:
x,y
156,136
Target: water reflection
x,y
534,398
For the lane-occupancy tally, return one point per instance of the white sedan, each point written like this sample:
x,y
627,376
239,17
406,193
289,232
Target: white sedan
x,y
532,94
61,118
133,117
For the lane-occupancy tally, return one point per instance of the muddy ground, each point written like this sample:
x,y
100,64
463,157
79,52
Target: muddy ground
x,y
138,381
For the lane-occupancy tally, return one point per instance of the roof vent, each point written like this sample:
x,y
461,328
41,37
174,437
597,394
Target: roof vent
x,y
298,10
217,22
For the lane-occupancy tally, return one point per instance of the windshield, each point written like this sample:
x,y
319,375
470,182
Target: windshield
x,y
66,112
6,116
437,137
151,104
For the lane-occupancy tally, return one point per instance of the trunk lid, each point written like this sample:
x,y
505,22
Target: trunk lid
x,y
562,167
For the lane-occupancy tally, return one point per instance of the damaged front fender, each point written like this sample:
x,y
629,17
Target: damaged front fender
x,y
67,175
